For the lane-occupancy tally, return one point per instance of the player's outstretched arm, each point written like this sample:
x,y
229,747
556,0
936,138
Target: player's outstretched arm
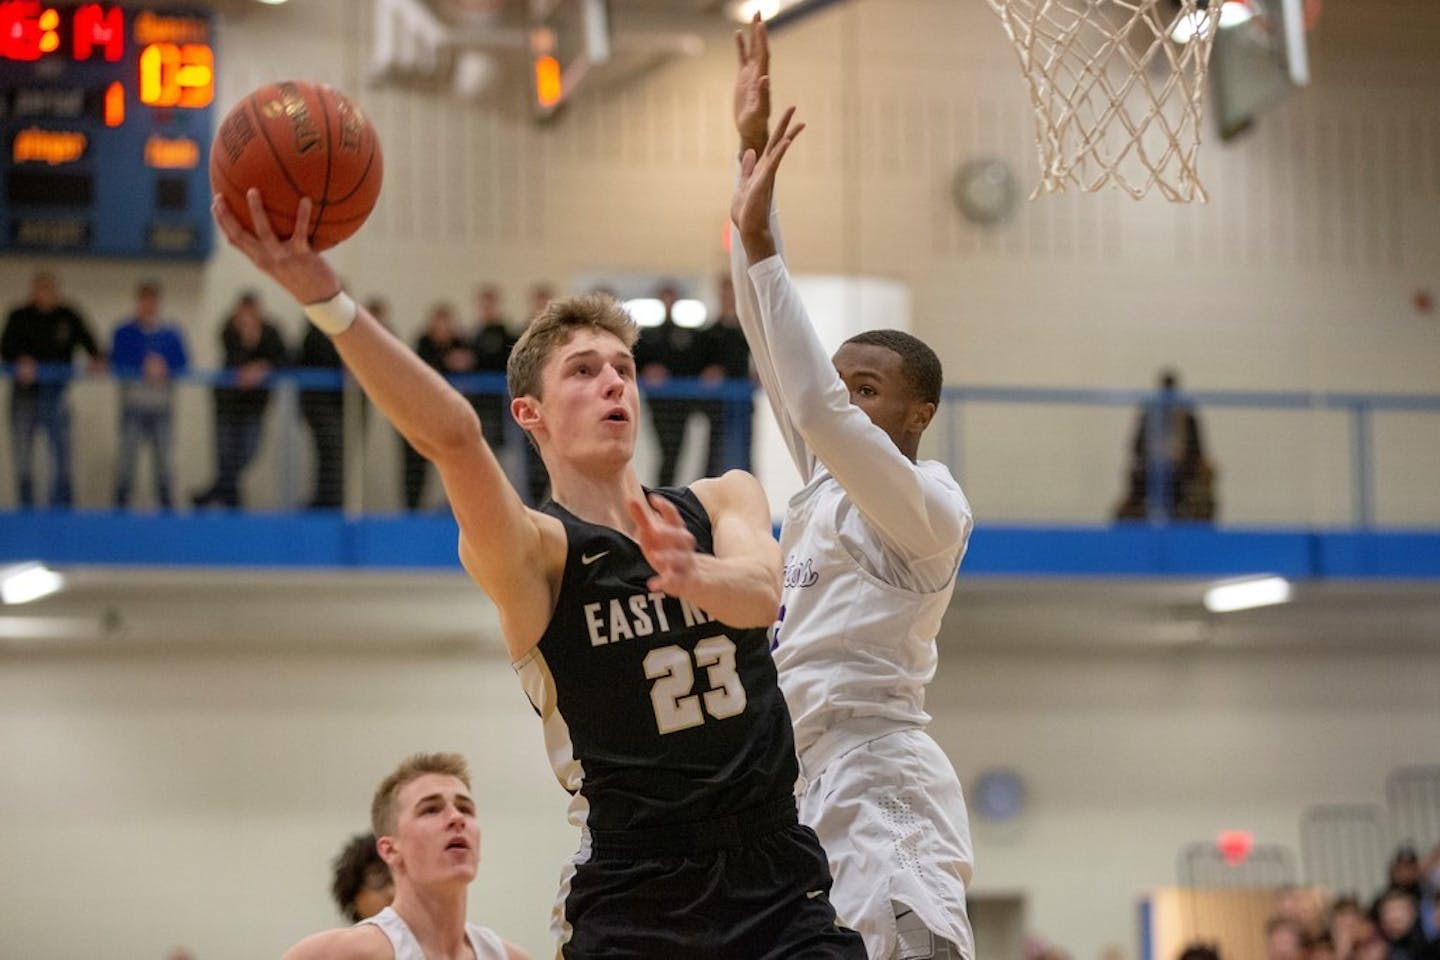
x,y
752,123
913,512
430,414
501,541
740,584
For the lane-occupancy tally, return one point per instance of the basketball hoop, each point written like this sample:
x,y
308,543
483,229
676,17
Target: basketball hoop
x,y
1117,95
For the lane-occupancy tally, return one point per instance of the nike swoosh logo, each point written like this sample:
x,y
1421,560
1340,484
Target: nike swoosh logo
x,y
812,894
587,559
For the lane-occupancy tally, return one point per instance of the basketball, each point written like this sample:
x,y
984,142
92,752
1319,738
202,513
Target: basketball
x,y
298,139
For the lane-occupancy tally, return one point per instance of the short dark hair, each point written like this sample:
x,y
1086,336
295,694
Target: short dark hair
x,y
921,365
358,859
1405,853
1200,951
1346,901
148,288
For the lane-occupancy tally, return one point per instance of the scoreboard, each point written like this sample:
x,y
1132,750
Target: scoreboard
x,y
105,126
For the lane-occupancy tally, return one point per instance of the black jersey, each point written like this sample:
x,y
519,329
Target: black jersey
x,y
655,714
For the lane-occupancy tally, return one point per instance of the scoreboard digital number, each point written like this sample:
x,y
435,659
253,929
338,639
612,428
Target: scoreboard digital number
x,y
105,123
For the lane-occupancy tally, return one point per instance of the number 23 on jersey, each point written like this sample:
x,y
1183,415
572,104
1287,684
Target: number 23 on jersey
x,y
673,670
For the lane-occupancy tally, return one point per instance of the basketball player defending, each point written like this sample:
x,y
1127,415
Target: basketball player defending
x,y
636,621
424,820
871,545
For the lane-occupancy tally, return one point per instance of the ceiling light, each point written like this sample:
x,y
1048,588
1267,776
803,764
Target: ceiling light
x,y
745,10
1245,594
27,582
55,628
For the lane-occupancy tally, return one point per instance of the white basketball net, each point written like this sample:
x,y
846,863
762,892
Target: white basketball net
x,y
1117,100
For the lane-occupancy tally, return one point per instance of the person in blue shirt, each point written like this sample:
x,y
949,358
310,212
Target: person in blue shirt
x,y
147,353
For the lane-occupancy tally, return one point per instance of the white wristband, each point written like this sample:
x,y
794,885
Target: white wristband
x,y
333,316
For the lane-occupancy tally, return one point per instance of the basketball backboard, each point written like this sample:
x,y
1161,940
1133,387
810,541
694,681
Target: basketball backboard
x,y
1260,55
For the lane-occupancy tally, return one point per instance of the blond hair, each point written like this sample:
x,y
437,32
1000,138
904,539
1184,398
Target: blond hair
x,y
553,327
383,814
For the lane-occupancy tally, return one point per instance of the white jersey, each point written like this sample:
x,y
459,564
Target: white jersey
x,y
871,546
485,942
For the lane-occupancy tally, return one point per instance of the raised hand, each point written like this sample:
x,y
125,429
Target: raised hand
x,y
750,208
291,263
752,86
666,544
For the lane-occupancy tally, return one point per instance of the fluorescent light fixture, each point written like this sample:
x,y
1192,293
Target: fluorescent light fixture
x,y
53,628
745,10
689,313
1245,594
27,582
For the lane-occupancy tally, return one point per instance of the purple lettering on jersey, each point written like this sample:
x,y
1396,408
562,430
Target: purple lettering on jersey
x,y
800,574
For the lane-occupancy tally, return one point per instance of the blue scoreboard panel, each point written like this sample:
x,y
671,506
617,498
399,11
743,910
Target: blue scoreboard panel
x,y
105,120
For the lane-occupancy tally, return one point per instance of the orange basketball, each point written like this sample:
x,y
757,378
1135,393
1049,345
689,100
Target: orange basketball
x,y
297,139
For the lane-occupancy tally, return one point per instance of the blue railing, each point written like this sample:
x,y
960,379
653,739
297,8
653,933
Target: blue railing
x,y
952,440
1360,407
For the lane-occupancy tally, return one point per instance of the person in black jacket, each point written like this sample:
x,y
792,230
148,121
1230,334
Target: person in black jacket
x,y
1168,464
662,354
43,331
323,408
443,351
491,344
253,349
726,357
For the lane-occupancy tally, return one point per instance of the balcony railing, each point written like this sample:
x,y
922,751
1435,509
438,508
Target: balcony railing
x,y
1047,456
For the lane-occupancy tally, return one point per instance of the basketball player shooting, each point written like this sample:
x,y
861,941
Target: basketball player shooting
x,y
872,545
636,621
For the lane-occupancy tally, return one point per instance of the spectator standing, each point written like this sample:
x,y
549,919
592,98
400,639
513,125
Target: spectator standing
x,y
536,488
662,354
44,330
252,350
442,350
147,352
1168,467
726,356
323,408
492,344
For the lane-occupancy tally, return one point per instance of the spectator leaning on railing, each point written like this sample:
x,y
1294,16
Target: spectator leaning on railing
x,y
726,356
253,349
43,331
323,407
146,354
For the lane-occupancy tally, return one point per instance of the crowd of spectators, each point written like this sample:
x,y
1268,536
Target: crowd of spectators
x,y
148,352
1400,922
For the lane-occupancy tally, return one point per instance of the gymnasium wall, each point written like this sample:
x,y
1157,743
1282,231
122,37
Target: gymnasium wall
x,y
1297,276
155,802
151,802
